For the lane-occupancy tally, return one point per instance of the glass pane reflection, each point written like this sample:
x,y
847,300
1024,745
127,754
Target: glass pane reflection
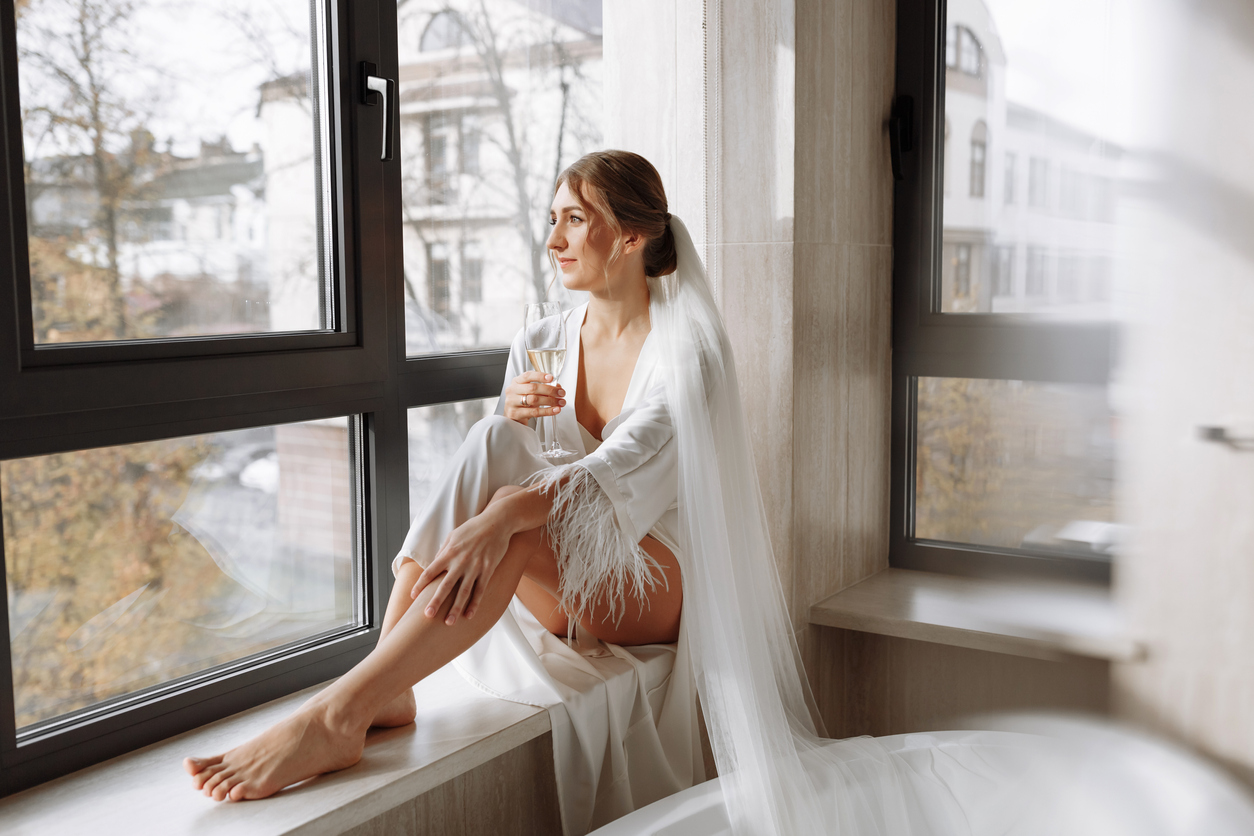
x,y
495,100
131,566
175,168
1015,464
1031,164
435,433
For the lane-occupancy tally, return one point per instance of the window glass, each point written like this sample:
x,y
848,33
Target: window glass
x,y
1032,82
175,167
495,100
435,433
1015,465
131,566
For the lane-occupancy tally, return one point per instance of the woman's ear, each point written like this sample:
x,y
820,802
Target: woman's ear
x,y
632,242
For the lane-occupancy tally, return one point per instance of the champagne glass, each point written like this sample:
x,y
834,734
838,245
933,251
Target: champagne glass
x,y
544,333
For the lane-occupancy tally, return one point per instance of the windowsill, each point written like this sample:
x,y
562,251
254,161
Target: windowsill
x,y
458,729
1038,619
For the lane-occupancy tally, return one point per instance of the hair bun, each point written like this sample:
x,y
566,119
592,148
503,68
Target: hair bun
x,y
659,256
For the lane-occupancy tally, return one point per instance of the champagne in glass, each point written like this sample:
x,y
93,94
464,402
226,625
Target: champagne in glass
x,y
545,337
547,360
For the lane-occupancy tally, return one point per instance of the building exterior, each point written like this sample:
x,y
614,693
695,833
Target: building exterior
x,y
495,99
1029,202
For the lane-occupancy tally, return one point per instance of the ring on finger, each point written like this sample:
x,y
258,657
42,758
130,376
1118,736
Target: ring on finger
x,y
525,401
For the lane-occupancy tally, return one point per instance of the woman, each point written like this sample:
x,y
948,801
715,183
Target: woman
x,y
596,546
591,545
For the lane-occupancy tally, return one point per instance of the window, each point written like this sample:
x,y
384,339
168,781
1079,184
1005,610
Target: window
x,y
1037,280
495,121
979,149
441,140
1071,193
963,51
1038,183
962,270
472,272
1070,267
438,273
468,156
203,469
1002,452
444,31
1003,271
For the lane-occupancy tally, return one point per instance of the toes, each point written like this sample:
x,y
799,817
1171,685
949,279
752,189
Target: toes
x,y
223,787
195,765
201,778
215,781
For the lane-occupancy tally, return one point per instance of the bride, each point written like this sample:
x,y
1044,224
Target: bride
x,y
531,577
588,547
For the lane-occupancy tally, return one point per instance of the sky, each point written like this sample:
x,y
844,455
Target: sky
x,y
194,66
1082,61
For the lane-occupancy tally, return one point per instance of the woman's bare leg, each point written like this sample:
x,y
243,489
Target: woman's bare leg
x,y
328,732
402,710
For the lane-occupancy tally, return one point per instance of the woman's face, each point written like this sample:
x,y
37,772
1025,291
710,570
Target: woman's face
x,y
580,256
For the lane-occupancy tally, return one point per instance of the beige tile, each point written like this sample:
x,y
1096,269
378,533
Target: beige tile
x,y
687,192
756,136
825,664
756,297
821,129
820,453
512,795
895,686
872,51
866,365
645,110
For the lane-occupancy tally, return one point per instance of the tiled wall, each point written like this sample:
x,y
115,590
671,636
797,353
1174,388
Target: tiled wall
x,y
801,189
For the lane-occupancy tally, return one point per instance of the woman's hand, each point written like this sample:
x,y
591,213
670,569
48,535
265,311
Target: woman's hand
x,y
469,556
533,395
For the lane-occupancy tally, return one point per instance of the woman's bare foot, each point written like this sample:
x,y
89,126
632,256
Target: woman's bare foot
x,y
306,744
399,712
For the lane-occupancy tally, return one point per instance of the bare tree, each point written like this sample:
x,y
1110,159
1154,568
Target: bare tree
x,y
85,105
496,44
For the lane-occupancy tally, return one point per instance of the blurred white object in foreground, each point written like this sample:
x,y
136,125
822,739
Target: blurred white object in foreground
x,y
1025,776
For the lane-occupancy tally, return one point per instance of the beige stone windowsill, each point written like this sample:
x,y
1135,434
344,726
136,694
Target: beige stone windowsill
x,y
147,791
1038,619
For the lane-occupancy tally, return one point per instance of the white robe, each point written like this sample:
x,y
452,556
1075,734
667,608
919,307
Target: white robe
x,y
625,726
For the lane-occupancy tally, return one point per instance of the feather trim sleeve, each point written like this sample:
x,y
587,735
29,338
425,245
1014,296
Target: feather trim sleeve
x,y
595,557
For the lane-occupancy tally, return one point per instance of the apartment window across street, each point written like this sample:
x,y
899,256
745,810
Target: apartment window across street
x,y
1002,424
1003,271
1038,183
979,151
234,362
962,270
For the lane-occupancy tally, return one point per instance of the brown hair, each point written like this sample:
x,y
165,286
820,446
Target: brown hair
x,y
625,191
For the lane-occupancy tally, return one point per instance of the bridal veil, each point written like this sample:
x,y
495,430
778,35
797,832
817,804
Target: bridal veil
x,y
779,776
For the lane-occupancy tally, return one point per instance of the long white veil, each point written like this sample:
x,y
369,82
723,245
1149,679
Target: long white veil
x,y
778,775
753,692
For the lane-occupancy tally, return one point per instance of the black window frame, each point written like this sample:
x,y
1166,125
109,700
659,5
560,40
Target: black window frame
x,y
62,398
928,343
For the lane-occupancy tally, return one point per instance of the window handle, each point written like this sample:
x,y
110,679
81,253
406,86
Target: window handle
x,y
1225,436
901,133
385,87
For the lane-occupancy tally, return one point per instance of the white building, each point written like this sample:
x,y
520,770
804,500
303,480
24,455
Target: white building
x,y
495,99
1029,201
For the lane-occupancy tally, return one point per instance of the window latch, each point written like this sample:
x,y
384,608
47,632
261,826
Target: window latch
x,y
901,133
386,88
1224,436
